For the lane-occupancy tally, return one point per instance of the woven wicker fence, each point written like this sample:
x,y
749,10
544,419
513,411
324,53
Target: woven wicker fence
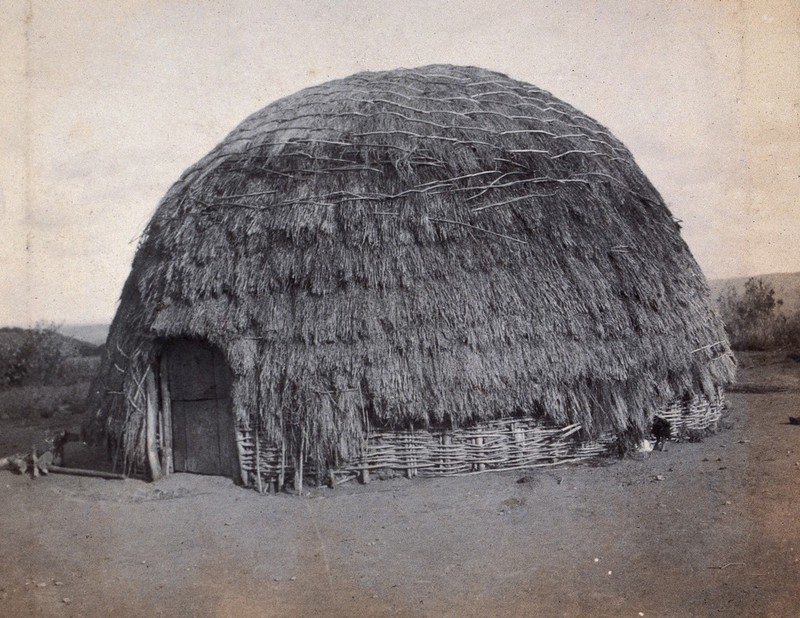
x,y
508,444
695,415
504,444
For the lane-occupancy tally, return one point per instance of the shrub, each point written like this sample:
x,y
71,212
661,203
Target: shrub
x,y
78,369
789,331
30,356
43,401
752,319
42,356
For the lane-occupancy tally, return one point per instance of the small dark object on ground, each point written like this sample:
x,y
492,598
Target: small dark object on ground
x,y
794,356
384,474
662,430
794,420
694,435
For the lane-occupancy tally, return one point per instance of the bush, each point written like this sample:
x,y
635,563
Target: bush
x,y
30,356
43,401
753,320
789,331
78,369
42,356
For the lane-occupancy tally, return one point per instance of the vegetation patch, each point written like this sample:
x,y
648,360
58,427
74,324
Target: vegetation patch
x,y
754,318
44,373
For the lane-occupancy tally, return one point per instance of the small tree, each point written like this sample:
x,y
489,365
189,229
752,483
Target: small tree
x,y
790,330
31,356
751,318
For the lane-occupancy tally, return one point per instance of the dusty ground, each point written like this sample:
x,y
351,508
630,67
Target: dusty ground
x,y
703,529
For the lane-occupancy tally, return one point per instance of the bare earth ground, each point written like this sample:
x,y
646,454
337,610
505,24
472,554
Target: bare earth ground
x,y
716,535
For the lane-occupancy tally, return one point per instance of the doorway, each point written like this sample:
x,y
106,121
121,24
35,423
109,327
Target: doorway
x,y
203,434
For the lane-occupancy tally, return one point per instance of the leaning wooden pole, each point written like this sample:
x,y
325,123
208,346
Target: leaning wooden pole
x,y
151,422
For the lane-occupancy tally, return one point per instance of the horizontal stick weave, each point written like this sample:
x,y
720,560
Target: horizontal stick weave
x,y
697,414
506,444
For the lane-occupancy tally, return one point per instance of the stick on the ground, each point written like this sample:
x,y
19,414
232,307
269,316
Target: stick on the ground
x,y
725,566
82,472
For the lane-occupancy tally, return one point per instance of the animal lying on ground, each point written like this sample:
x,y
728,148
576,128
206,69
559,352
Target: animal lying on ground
x,y
662,431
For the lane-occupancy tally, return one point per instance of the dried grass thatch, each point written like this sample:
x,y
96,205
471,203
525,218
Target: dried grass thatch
x,y
427,247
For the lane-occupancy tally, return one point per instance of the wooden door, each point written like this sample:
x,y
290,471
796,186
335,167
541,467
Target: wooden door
x,y
203,439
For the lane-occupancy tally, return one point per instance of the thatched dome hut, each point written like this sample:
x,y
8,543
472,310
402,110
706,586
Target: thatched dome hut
x,y
410,252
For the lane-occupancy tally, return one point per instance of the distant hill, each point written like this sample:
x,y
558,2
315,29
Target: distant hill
x,y
42,357
12,338
95,334
786,286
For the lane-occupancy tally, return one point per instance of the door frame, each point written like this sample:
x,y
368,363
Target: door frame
x,y
159,429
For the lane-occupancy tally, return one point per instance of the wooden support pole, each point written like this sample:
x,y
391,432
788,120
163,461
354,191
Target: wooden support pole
x,y
151,423
166,415
258,459
298,469
298,478
364,473
410,470
408,463
35,462
447,439
282,471
160,444
241,450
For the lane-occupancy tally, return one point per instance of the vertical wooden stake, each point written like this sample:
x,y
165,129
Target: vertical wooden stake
x,y
408,458
282,471
365,475
160,444
241,451
298,478
282,468
35,462
258,460
151,423
410,471
298,469
166,414
446,441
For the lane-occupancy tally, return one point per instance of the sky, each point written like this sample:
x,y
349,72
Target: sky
x,y
103,104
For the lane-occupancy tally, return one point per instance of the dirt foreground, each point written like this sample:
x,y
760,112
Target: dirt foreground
x,y
702,529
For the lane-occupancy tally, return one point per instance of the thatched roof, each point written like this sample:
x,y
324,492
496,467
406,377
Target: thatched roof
x,y
437,246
